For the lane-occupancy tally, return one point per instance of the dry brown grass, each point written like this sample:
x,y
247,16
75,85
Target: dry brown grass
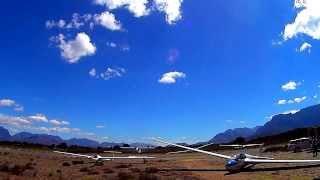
x,y
39,164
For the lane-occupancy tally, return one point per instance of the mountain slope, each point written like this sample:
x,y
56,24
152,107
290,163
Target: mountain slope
x,y
36,138
306,117
4,134
82,142
231,134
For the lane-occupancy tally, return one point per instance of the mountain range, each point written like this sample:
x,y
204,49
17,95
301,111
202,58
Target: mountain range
x,y
46,139
307,117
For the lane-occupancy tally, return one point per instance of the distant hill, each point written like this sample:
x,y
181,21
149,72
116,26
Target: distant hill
x,y
231,134
46,139
83,142
306,117
4,134
36,138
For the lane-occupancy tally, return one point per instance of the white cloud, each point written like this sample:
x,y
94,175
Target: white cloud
x,y
291,111
93,72
99,126
171,77
19,108
282,101
38,118
76,22
58,123
299,100
172,9
291,85
107,20
73,50
112,73
13,121
112,44
292,101
12,104
306,22
7,103
305,47
137,7
51,23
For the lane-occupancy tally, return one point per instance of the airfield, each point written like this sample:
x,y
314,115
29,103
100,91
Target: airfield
x,y
23,163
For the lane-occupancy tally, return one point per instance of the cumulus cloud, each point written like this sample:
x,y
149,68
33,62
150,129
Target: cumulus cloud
x,y
307,21
137,7
305,47
171,77
292,101
291,85
107,20
77,48
172,9
38,118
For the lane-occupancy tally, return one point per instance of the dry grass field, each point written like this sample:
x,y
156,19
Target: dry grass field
x,y
38,164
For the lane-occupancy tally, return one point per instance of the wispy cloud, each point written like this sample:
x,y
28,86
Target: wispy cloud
x,y
305,47
9,103
108,74
292,101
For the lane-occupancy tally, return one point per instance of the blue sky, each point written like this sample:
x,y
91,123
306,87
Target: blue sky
x,y
125,70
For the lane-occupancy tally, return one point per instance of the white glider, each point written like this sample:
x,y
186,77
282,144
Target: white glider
x,y
240,161
103,158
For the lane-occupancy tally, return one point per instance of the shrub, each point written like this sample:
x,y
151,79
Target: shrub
x,y
84,169
152,170
77,162
122,166
66,164
135,170
124,176
108,171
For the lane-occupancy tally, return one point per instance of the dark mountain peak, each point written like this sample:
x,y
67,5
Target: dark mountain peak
x,y
306,117
4,134
231,134
83,142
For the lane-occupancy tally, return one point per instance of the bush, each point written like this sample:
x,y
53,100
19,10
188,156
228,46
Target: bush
x,y
135,170
77,162
124,176
152,170
122,166
108,171
84,169
66,164
145,176
93,173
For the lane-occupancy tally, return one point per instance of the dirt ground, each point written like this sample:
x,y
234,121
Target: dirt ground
x,y
37,164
